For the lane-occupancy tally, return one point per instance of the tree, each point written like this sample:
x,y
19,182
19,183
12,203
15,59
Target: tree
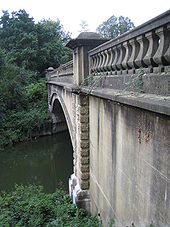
x,y
114,26
18,38
33,46
84,26
51,44
26,50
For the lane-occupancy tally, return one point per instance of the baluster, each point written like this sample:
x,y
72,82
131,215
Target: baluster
x,y
135,50
128,51
162,47
111,53
152,48
167,53
92,63
107,53
103,61
116,56
121,57
98,62
143,46
95,62
90,58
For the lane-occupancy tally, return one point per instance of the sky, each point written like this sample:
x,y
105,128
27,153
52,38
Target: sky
x,y
94,12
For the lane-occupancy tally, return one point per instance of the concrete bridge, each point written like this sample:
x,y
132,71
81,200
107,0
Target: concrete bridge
x,y
115,98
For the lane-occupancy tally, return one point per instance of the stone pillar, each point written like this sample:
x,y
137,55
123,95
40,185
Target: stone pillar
x,y
79,181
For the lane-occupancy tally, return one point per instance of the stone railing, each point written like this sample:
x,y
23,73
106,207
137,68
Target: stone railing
x,y
147,46
65,70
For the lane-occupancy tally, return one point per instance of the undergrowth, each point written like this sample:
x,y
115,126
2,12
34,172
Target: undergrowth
x,y
29,206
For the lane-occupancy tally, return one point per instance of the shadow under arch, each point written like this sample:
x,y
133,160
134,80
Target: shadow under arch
x,y
59,109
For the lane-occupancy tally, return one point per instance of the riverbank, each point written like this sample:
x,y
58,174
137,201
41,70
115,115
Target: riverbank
x,y
30,206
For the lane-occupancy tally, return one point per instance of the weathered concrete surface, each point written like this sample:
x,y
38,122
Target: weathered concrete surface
x,y
150,83
129,164
129,168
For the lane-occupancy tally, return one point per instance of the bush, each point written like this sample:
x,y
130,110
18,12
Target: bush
x,y
23,105
36,91
30,206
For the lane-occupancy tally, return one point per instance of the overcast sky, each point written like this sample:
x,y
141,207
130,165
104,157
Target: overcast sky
x,y
72,12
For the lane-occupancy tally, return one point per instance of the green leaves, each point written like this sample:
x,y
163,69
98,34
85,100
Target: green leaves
x,y
115,26
33,46
23,106
18,37
36,91
30,206
51,44
26,50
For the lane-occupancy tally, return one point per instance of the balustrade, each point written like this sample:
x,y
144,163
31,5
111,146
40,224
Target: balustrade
x,y
147,46
64,70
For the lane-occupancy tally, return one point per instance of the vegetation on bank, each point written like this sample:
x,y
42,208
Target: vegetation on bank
x,y
30,206
26,50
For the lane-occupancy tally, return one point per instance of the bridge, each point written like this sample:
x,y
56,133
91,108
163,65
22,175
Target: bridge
x,y
115,98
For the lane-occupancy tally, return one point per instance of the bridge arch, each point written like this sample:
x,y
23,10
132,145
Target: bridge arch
x,y
58,108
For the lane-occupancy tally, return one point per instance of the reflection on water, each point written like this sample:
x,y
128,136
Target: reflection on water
x,y
46,161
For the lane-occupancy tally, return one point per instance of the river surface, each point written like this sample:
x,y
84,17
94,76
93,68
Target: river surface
x,y
45,161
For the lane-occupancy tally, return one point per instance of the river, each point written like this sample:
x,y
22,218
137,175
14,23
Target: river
x,y
45,161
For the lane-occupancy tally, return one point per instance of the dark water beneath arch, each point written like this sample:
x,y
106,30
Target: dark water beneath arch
x,y
45,161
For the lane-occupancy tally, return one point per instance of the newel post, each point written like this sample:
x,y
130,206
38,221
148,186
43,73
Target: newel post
x,y
79,181
80,46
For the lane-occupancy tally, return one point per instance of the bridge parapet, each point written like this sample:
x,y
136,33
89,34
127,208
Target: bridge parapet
x,y
63,72
146,46
138,60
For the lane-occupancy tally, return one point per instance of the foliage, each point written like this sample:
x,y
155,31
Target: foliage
x,y
25,107
30,206
36,91
12,82
33,46
26,50
115,26
23,103
51,41
18,38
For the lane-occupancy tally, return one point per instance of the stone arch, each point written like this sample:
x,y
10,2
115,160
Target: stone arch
x,y
57,105
78,126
